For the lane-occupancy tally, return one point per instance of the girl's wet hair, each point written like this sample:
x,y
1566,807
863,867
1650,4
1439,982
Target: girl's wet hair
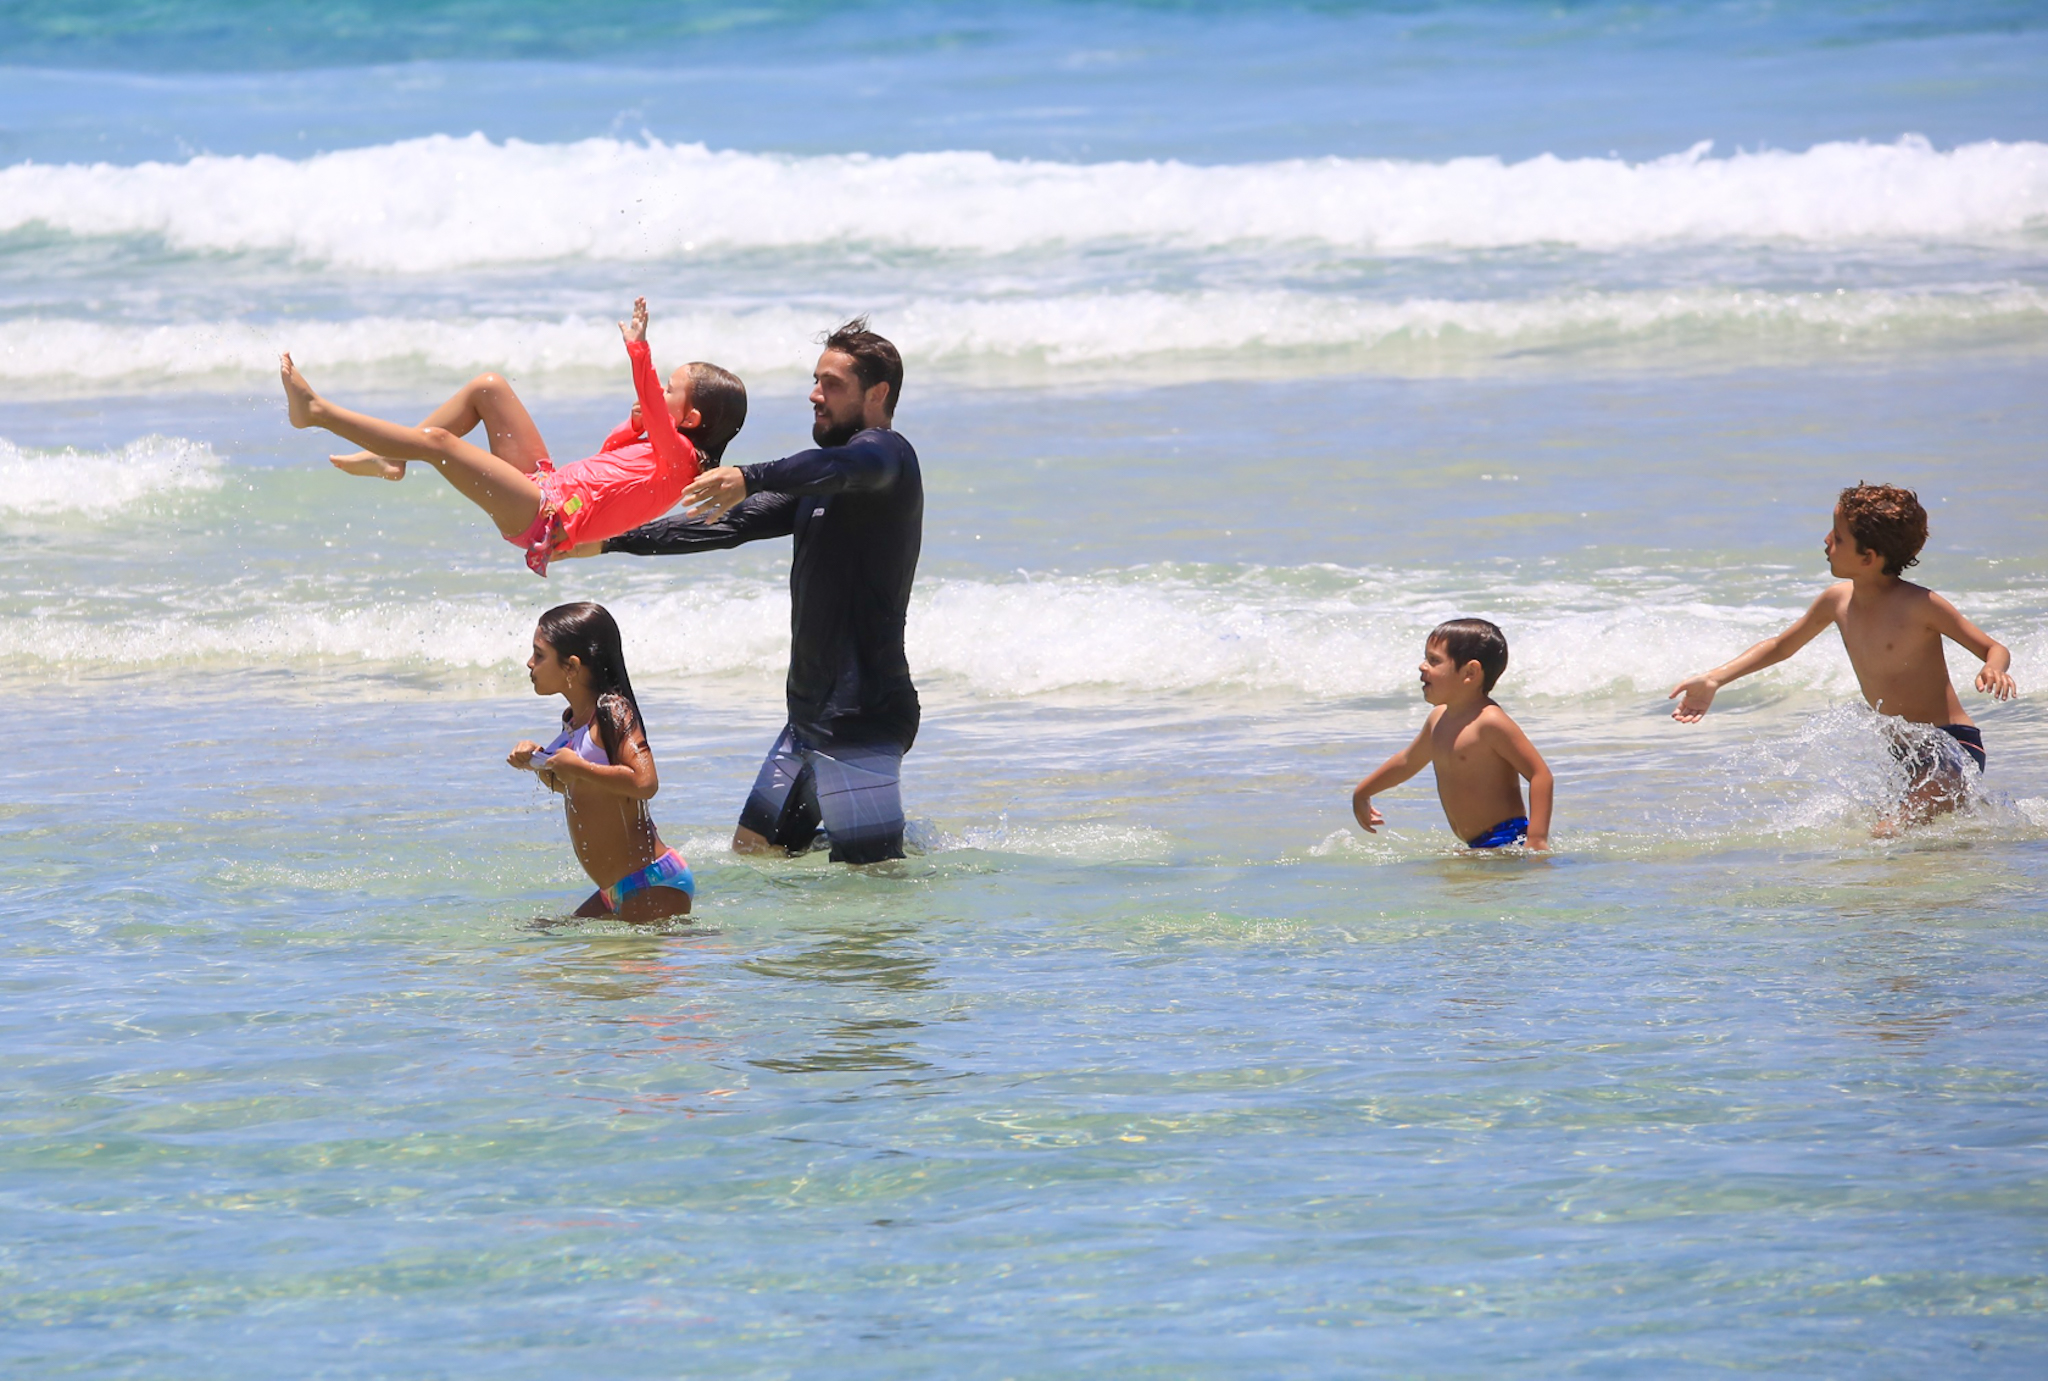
x,y
721,402
588,633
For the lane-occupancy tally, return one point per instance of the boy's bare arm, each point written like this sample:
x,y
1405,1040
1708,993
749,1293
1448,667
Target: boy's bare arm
x,y
1995,679
1506,738
1699,690
1391,773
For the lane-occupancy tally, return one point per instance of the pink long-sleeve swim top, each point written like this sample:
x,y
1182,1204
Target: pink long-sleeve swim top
x,y
635,477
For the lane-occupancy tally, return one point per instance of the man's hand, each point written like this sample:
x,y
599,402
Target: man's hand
x,y
1698,693
580,550
1997,683
637,328
715,493
1539,843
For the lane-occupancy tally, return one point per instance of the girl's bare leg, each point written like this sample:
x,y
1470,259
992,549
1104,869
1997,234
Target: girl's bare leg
x,y
486,400
507,493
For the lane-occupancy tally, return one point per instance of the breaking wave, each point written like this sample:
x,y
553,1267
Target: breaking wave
x,y
1321,632
98,483
1074,331
442,202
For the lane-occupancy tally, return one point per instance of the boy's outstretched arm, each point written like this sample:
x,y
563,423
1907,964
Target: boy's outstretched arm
x,y
1996,677
1391,773
1506,738
1699,690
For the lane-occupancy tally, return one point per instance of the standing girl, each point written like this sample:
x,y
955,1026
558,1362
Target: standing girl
x,y
601,765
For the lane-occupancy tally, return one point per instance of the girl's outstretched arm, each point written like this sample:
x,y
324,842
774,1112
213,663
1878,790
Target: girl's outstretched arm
x,y
676,455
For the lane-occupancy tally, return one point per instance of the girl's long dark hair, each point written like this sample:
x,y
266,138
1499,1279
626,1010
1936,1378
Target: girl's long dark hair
x,y
588,633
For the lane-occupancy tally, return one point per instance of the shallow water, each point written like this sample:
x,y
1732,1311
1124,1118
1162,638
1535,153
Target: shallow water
x,y
1146,1061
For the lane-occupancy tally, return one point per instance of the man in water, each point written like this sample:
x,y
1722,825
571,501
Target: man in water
x,y
855,506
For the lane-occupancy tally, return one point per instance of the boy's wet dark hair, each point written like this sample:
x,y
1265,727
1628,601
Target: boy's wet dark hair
x,y
875,360
721,403
588,633
1887,520
1473,640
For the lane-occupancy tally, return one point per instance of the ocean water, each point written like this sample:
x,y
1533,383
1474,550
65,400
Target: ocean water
x,y
1244,344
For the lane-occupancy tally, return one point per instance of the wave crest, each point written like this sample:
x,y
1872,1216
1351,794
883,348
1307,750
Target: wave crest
x,y
1082,330
98,483
440,202
1321,633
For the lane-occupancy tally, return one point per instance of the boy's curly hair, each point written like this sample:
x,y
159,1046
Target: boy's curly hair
x,y
1887,520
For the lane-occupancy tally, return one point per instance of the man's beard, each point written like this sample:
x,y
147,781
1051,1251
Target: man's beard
x,y
826,432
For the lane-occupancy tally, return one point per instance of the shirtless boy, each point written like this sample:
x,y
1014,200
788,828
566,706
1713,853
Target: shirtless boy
x,y
1893,631
1480,755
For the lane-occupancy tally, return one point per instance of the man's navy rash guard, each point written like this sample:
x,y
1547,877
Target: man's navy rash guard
x,y
857,512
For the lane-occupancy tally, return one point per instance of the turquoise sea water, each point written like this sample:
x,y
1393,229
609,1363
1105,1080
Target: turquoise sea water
x,y
1245,344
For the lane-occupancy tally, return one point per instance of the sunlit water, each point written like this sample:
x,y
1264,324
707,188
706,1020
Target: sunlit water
x,y
1146,1061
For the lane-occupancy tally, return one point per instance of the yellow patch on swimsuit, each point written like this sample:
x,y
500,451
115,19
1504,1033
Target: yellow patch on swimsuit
x,y
574,505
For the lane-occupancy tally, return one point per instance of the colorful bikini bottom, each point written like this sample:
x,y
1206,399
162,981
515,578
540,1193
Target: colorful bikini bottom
x,y
667,871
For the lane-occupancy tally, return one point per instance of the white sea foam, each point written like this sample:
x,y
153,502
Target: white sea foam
x,y
1314,632
1073,331
440,203
98,483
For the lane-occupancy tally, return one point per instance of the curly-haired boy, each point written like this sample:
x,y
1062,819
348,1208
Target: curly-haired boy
x,y
1892,629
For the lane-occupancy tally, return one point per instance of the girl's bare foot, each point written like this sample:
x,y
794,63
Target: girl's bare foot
x,y
369,464
300,401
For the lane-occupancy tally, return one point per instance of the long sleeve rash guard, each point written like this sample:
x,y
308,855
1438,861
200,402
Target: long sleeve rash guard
x,y
857,514
637,474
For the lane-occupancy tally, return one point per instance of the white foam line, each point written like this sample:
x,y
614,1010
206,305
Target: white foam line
x,y
1315,632
1074,331
100,483
440,202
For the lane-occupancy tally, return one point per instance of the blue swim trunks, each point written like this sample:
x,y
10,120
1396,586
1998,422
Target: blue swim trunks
x,y
1500,836
849,791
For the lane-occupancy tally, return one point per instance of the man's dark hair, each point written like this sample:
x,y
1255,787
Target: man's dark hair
x,y
1887,520
721,403
875,360
1473,640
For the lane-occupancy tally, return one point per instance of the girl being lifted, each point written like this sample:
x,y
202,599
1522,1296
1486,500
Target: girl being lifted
x,y
637,476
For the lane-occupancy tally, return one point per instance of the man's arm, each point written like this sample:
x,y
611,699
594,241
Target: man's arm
x,y
862,466
1699,690
763,516
1995,679
1506,738
1391,773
